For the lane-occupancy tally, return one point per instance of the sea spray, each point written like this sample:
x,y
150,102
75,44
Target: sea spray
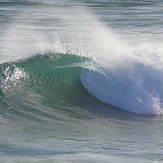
x,y
61,32
132,82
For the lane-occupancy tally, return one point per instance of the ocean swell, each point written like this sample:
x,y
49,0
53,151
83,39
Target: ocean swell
x,y
43,86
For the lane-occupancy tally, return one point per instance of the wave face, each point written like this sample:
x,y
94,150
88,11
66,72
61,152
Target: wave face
x,y
49,81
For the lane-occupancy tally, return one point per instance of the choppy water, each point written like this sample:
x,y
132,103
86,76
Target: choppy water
x,y
81,81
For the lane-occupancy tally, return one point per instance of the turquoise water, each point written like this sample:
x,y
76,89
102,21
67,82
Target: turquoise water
x,y
81,81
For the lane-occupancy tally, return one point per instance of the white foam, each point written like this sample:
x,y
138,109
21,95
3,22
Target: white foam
x,y
131,82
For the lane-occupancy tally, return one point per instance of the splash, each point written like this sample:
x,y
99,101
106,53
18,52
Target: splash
x,y
131,82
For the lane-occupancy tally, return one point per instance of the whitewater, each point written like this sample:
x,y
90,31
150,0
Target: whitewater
x,y
81,81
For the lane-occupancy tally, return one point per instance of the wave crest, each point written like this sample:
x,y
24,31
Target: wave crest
x,y
131,84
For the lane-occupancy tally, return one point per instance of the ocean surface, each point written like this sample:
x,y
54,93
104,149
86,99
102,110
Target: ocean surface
x,y
81,81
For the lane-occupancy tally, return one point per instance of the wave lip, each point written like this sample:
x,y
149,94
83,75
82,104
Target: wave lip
x,y
133,89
